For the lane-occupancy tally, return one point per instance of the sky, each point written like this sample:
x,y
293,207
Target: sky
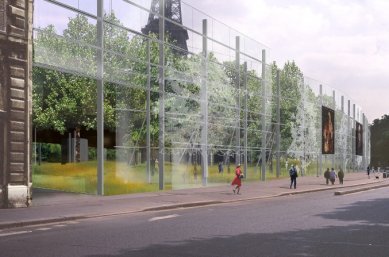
x,y
342,43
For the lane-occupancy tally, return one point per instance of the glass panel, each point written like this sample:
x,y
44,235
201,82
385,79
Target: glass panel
x,y
64,117
88,6
214,112
66,42
64,100
130,16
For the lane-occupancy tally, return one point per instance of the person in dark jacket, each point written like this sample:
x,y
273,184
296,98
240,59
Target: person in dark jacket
x,y
327,175
220,167
368,171
293,176
341,176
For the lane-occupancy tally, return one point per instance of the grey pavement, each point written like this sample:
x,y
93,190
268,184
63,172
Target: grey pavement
x,y
52,206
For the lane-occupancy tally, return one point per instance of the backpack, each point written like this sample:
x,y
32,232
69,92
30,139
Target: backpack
x,y
293,172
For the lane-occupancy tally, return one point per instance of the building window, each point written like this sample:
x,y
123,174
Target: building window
x,y
2,16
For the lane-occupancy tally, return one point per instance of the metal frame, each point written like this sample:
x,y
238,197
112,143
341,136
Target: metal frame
x,y
203,100
100,98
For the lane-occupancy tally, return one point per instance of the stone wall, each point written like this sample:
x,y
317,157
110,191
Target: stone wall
x,y
15,103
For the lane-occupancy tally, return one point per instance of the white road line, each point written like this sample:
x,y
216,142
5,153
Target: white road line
x,y
164,217
15,233
43,229
60,225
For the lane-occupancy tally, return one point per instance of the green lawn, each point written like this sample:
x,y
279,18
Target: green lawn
x,y
120,178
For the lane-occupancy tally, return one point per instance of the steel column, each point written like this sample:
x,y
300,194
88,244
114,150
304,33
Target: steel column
x,y
278,126
161,77
342,159
353,142
204,107
237,85
319,172
349,132
245,117
148,145
100,97
264,99
303,127
334,106
363,141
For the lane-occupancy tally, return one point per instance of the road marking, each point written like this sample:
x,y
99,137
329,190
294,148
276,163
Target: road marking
x,y
15,233
60,225
164,217
43,229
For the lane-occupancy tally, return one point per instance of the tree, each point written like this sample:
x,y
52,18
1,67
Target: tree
x,y
64,98
380,141
291,85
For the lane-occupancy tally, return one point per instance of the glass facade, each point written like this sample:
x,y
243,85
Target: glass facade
x,y
134,96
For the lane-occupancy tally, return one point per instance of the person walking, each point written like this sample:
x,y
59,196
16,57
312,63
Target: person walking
x,y
220,167
293,176
332,176
237,180
368,171
341,176
327,175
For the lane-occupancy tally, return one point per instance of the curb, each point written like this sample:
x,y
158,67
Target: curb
x,y
359,189
181,205
39,222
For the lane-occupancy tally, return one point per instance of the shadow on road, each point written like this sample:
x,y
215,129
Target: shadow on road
x,y
367,236
369,212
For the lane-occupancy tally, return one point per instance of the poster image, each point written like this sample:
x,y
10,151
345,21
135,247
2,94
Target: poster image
x,y
328,130
358,139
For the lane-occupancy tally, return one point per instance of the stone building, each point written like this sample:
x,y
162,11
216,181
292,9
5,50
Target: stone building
x,y
15,102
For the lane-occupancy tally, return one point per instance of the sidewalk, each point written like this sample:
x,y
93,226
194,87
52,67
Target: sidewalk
x,y
52,206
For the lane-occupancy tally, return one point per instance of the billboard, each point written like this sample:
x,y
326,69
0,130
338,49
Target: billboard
x,y
328,130
358,139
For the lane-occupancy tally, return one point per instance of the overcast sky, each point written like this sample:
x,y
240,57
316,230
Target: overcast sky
x,y
341,43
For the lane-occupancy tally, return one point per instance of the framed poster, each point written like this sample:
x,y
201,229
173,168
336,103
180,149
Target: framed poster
x,y
328,130
358,139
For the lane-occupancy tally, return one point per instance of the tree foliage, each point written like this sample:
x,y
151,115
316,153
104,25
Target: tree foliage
x,y
380,142
64,97
291,82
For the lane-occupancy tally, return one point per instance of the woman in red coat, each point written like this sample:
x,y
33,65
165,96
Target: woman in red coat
x,y
237,180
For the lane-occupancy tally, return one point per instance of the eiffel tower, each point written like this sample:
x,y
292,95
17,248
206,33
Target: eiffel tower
x,y
173,12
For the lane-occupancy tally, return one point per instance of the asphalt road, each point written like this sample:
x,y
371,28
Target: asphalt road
x,y
314,224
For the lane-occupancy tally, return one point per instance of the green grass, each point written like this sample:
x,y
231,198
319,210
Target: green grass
x,y
120,178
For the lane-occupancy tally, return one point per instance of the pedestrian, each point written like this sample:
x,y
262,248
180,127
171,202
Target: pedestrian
x,y
220,167
341,176
368,171
293,176
332,176
237,180
327,175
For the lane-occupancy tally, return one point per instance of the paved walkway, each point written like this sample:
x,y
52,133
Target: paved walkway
x,y
52,206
